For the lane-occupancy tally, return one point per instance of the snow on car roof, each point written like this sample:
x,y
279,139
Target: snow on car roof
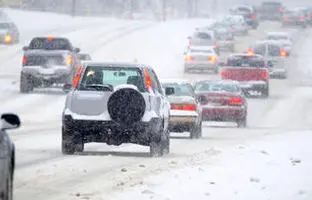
x,y
245,54
278,33
231,82
203,48
268,42
115,64
178,81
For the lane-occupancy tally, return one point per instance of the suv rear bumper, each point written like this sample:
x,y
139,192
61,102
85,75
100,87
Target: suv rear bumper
x,y
113,133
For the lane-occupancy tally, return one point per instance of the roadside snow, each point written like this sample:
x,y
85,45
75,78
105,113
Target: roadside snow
x,y
276,167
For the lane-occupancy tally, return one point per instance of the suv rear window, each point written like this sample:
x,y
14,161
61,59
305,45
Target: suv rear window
x,y
215,87
183,89
40,60
243,9
274,50
53,44
112,76
203,36
245,61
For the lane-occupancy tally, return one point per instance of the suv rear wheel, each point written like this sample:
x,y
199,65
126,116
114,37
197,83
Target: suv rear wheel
x,y
241,123
160,146
196,131
26,84
72,142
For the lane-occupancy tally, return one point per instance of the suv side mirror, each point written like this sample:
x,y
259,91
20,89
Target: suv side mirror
x,y
9,121
67,87
25,48
169,91
76,50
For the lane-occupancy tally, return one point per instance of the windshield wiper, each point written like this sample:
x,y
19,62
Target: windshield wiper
x,y
100,87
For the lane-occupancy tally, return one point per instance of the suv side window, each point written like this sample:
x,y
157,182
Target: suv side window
x,y
156,84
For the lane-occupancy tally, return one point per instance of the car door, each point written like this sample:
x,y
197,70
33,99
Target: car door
x,y
4,158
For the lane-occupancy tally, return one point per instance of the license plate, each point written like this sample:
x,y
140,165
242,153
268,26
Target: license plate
x,y
47,71
254,93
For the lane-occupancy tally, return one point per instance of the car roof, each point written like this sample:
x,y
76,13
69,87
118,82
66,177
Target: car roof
x,y
115,64
231,82
245,54
45,37
204,30
278,33
178,81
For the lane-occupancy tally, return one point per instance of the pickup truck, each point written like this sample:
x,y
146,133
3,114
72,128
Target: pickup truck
x,y
250,71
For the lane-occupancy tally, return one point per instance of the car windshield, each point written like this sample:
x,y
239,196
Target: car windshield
x,y
180,89
4,25
245,61
50,44
215,87
112,76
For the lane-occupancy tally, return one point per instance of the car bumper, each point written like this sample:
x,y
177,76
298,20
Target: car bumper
x,y
223,113
180,121
253,88
103,131
47,74
200,66
226,44
294,23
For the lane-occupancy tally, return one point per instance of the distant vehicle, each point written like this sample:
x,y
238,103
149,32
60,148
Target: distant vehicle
x,y
250,70
283,38
271,10
238,24
222,101
84,57
295,17
204,37
309,15
185,112
116,103
203,58
9,33
274,55
225,40
248,13
48,61
7,164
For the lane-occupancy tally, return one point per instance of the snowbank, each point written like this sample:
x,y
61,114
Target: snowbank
x,y
275,167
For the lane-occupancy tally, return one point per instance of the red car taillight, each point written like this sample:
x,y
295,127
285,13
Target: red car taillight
x,y
77,77
24,60
214,45
236,101
280,10
223,74
265,75
212,58
301,19
253,16
283,53
148,81
187,107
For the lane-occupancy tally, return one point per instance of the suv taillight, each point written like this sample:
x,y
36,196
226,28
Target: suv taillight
x,y
265,75
301,19
24,60
280,10
236,101
283,53
253,16
77,77
223,74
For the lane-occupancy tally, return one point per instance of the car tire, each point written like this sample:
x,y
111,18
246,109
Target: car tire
x,y
26,85
265,92
166,143
8,194
254,26
196,131
160,143
71,142
242,123
156,148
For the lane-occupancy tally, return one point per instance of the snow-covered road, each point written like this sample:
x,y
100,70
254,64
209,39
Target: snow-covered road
x,y
242,163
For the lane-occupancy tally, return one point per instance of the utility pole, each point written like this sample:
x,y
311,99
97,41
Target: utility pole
x,y
73,8
164,9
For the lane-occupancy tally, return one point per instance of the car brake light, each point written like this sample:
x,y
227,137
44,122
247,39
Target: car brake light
x,y
283,53
77,77
301,19
236,101
69,60
188,58
280,10
253,16
148,80
285,18
223,74
190,43
265,75
214,45
7,38
188,107
24,60
49,38
309,15
212,58
249,52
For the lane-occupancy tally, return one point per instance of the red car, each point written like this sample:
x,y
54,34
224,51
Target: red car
x,y
222,101
250,70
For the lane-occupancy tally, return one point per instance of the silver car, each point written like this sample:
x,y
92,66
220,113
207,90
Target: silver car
x,y
116,103
185,111
283,38
225,40
203,58
238,24
274,55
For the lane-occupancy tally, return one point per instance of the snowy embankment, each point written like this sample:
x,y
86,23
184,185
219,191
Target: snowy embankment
x,y
273,167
